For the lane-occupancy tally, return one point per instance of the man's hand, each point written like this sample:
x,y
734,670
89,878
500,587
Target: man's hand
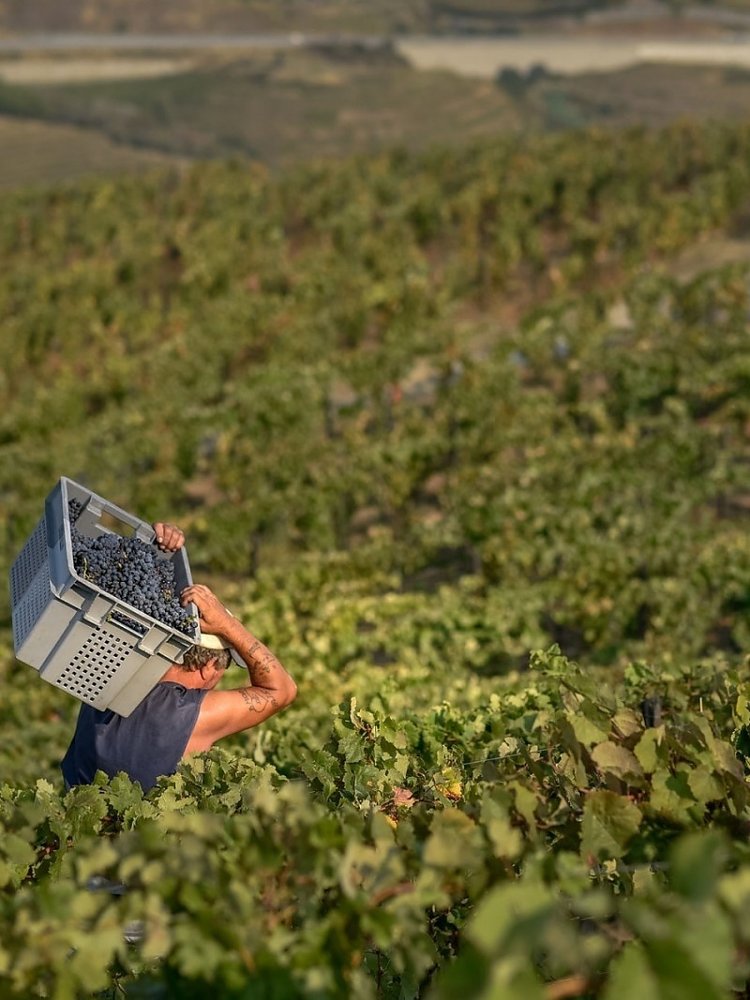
x,y
214,617
169,537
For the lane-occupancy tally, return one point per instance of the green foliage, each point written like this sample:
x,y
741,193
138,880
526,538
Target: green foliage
x,y
281,365
507,567
497,837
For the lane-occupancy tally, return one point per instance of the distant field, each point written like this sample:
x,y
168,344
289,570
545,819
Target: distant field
x,y
278,107
41,153
88,69
654,95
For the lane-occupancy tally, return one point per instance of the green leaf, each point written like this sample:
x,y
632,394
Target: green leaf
x,y
742,705
519,909
351,747
366,869
726,759
321,766
627,722
454,841
734,892
101,856
631,976
92,956
611,758
704,785
125,794
671,796
512,979
697,860
678,975
197,956
466,976
707,936
45,788
86,808
647,749
586,731
400,765
525,802
391,732
505,838
609,821
17,851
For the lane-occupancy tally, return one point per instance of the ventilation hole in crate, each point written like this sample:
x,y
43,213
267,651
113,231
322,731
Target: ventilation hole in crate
x,y
28,611
31,559
94,665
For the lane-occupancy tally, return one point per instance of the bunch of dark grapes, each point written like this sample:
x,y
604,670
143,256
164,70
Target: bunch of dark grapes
x,y
74,510
131,571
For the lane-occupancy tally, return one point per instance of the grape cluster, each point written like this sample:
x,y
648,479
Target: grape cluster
x,y
120,619
75,508
131,571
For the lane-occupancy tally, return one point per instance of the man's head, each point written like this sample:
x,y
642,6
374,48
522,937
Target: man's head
x,y
199,656
202,666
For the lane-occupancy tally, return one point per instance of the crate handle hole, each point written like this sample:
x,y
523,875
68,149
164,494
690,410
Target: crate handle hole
x,y
112,523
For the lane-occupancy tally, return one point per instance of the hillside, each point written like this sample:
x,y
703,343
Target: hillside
x,y
383,17
386,16
286,108
319,334
280,108
465,434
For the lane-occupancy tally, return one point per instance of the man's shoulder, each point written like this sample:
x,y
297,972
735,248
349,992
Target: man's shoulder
x,y
174,691
164,699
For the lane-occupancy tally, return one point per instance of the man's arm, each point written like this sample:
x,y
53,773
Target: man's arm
x,y
271,689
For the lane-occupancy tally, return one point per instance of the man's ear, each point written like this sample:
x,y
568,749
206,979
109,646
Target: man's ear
x,y
207,668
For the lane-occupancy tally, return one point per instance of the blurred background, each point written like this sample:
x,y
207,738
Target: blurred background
x,y
123,85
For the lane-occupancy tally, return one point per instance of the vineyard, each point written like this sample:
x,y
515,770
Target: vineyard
x,y
457,437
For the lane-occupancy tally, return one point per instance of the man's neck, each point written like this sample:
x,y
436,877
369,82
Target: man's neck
x,y
188,678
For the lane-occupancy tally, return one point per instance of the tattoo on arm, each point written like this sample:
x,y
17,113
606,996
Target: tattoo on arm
x,y
257,700
265,664
260,659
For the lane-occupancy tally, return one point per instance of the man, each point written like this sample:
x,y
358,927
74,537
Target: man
x,y
183,714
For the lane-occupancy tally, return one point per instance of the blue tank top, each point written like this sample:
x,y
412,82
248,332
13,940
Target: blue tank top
x,y
149,743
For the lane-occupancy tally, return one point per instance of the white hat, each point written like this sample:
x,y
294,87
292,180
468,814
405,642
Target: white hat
x,y
208,641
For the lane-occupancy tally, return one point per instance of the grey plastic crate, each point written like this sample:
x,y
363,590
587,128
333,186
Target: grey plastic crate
x,y
80,638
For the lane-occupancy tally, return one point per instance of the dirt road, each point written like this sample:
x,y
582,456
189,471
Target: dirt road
x,y
79,57
482,58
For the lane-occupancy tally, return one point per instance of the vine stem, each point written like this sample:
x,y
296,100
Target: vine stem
x,y
566,989
390,892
